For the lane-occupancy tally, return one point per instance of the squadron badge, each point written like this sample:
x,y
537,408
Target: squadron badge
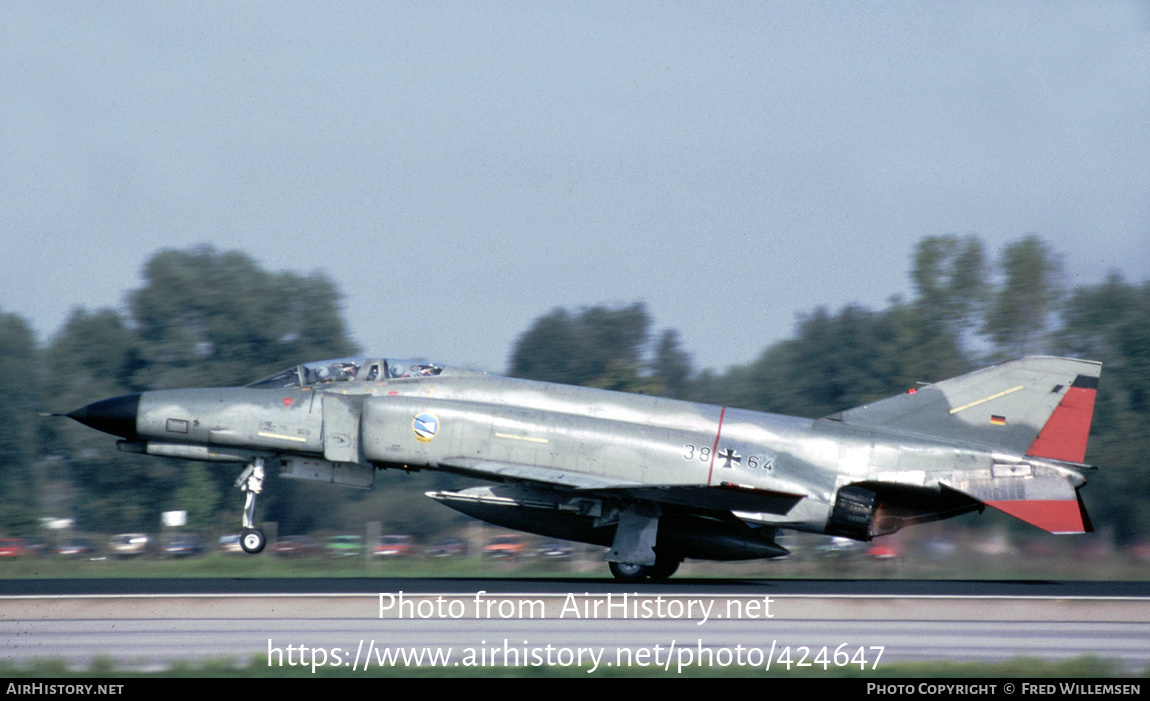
x,y
425,427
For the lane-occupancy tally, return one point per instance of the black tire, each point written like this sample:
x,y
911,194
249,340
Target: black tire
x,y
253,541
664,567
629,572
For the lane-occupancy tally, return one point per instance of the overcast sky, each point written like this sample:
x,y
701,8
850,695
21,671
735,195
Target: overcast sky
x,y
460,169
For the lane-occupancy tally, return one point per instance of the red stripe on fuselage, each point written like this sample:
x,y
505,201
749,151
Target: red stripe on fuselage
x,y
1064,435
715,447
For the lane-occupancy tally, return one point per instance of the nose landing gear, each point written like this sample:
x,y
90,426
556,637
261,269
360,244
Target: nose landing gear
x,y
251,483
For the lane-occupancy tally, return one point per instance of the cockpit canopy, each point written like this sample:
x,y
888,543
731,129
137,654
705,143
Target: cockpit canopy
x,y
347,370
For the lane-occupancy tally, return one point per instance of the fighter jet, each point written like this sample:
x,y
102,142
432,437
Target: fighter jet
x,y
654,480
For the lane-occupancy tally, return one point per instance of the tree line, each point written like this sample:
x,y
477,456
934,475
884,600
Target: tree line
x,y
205,317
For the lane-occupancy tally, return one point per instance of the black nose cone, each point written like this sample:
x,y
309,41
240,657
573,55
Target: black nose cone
x,y
116,416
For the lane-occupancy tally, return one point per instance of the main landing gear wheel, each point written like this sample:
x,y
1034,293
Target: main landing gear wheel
x,y
629,572
253,541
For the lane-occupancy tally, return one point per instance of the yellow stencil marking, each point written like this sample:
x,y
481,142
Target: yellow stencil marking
x,y
297,439
529,439
986,399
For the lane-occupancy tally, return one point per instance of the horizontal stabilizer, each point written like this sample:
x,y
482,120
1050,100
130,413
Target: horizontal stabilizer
x,y
1049,502
1053,515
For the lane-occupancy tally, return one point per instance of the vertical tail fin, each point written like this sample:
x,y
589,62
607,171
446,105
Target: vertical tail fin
x,y
1039,406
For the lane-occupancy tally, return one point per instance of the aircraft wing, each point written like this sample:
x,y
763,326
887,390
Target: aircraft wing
x,y
723,497
509,471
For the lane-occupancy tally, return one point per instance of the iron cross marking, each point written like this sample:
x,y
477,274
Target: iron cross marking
x,y
729,456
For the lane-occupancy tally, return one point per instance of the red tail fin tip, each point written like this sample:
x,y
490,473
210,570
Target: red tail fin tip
x,y
1065,433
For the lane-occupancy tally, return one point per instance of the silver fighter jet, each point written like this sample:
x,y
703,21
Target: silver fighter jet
x,y
655,480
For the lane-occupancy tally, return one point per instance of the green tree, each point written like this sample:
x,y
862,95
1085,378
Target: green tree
x,y
20,367
672,365
96,355
198,495
949,278
598,347
548,350
1021,311
206,317
836,361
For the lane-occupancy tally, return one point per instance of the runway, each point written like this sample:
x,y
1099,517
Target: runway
x,y
465,624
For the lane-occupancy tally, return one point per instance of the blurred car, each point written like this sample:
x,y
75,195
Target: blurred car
x,y
344,546
181,545
556,550
74,547
1091,550
940,548
11,547
1039,548
505,547
230,544
35,545
998,545
1139,551
882,551
838,547
127,545
294,546
394,546
447,547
